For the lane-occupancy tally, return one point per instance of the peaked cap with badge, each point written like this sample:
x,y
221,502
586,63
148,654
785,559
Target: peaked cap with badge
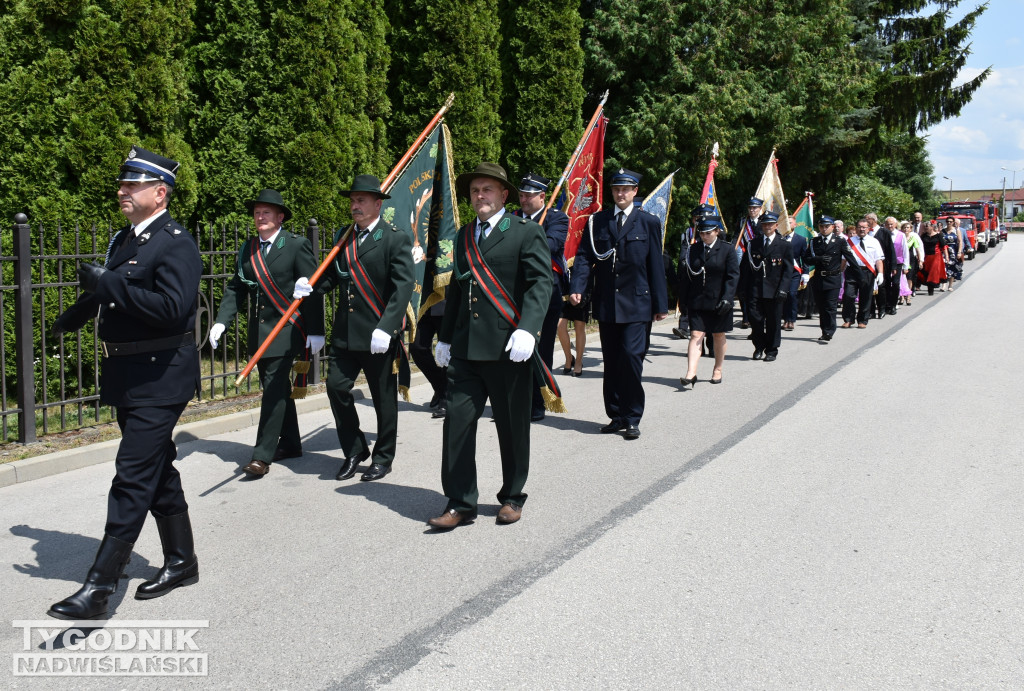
x,y
143,165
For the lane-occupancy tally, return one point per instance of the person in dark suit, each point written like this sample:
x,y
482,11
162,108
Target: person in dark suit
x,y
765,277
556,227
890,275
864,267
421,350
789,305
262,284
827,255
707,286
374,275
144,300
496,303
621,247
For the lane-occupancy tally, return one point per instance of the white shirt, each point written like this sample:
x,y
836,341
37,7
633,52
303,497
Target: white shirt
x,y
768,239
272,238
144,224
625,213
871,248
493,221
368,229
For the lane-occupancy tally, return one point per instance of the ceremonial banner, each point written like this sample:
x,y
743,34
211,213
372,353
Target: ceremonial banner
x,y
659,201
804,216
770,190
423,204
584,186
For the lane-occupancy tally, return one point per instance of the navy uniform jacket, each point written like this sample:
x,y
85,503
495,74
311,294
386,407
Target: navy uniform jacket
x,y
290,257
629,286
518,257
826,258
799,244
766,273
149,291
386,255
556,230
704,290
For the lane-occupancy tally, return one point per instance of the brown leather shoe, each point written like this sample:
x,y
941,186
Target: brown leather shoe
x,y
257,468
509,513
451,518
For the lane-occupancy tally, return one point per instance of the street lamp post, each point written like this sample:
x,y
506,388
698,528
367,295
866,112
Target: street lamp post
x,y
950,187
1013,188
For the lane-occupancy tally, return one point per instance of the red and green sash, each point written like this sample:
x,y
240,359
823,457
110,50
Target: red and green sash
x,y
281,302
502,301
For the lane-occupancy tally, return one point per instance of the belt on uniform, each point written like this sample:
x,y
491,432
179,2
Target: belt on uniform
x,y
150,346
829,273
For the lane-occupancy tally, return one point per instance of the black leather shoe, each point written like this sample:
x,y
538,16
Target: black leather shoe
x,y
181,567
435,400
439,411
769,358
91,599
536,416
758,354
348,466
632,432
613,427
688,382
376,472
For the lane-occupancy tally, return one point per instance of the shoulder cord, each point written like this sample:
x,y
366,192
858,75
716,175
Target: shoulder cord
x,y
612,253
750,258
701,272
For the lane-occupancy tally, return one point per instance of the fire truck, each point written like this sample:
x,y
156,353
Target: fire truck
x,y
986,220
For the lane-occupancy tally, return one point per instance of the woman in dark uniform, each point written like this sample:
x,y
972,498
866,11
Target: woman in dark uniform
x,y
579,315
707,286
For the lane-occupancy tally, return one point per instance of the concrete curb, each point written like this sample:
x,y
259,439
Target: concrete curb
x,y
49,464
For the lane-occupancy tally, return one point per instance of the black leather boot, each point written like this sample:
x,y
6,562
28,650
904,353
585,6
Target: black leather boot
x,y
91,600
181,567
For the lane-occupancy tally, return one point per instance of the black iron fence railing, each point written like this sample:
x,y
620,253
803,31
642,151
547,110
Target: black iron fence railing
x,y
51,384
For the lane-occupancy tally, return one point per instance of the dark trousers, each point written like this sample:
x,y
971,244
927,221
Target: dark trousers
x,y
470,384
827,300
789,311
766,323
145,478
858,289
279,424
892,289
383,384
546,346
422,352
623,347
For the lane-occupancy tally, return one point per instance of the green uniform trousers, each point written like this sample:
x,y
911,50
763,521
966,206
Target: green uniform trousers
x,y
279,424
470,383
341,377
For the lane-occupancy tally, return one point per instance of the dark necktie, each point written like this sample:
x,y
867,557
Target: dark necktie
x,y
485,230
264,247
622,219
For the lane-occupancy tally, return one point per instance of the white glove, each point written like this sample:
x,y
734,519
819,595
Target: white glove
x,y
302,288
417,254
520,345
804,279
216,331
314,343
380,342
443,354
878,279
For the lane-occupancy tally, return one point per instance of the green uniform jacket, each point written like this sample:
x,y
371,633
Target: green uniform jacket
x,y
518,256
386,255
290,257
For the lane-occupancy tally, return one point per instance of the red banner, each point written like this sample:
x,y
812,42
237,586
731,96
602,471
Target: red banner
x,y
583,189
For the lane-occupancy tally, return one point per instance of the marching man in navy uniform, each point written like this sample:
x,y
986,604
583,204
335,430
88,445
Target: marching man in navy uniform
x,y
556,227
765,276
826,254
144,299
496,302
264,277
622,248
374,271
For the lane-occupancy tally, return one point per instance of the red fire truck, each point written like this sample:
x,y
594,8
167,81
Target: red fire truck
x,y
986,220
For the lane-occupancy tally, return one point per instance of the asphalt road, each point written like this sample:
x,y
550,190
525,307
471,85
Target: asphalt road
x,y
849,516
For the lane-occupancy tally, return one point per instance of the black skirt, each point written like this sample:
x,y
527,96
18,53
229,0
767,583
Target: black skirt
x,y
710,322
578,313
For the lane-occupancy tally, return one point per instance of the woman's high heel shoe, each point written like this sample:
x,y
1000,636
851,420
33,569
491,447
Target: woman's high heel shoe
x,y
688,382
572,364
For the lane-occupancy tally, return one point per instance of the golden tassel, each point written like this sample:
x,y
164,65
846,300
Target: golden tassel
x,y
394,366
552,403
301,367
298,392
404,390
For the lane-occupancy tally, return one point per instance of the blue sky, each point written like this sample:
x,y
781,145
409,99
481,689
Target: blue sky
x,y
989,133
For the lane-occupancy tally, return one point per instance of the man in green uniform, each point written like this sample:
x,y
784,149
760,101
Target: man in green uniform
x,y
496,302
265,274
374,274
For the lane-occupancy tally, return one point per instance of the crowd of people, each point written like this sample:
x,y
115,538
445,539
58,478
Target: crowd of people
x,y
511,295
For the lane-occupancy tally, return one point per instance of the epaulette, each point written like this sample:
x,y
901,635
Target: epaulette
x,y
173,229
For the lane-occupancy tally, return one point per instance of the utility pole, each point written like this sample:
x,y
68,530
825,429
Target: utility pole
x,y
950,187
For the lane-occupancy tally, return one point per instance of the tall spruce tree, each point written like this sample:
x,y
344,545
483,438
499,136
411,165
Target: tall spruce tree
x,y
543,85
79,89
447,46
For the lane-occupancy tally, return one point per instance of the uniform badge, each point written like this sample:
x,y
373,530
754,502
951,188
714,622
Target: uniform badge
x,y
144,238
622,171
132,153
505,223
177,232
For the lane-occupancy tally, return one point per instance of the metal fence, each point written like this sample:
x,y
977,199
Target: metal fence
x,y
51,384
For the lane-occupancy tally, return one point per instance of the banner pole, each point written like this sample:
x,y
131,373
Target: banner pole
x,y
337,246
575,155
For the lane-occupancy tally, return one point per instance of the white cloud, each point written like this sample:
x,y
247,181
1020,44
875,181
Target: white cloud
x,y
958,137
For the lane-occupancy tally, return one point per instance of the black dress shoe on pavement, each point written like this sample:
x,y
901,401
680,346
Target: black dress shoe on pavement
x,y
613,427
758,354
451,518
537,416
348,466
281,454
688,382
632,432
769,358
439,411
376,472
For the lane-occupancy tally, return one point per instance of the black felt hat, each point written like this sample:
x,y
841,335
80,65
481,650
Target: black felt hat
x,y
272,197
486,170
368,184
